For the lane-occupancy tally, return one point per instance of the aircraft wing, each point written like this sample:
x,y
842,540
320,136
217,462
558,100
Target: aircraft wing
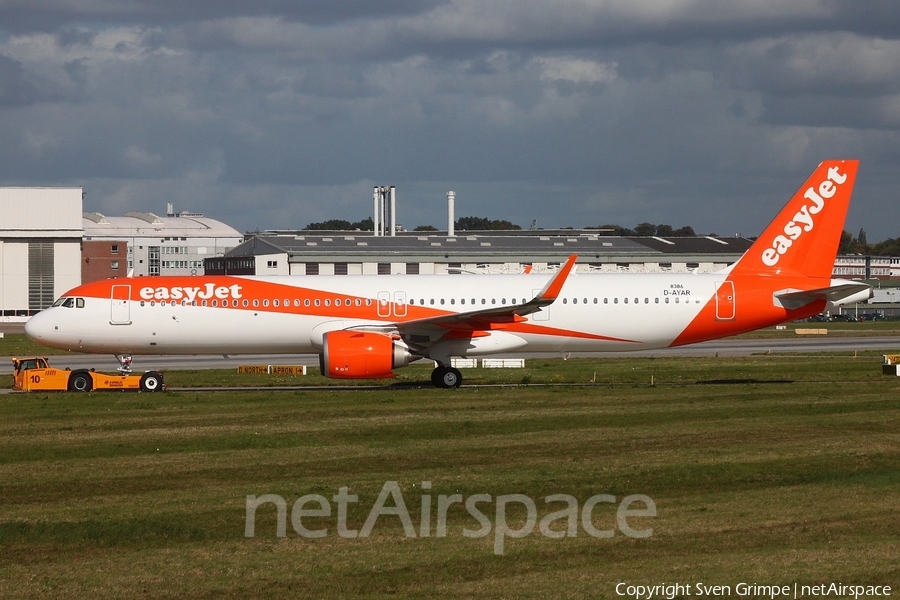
x,y
478,322
842,292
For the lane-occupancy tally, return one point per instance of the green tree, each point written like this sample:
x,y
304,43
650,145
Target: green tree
x,y
664,230
645,229
329,225
483,224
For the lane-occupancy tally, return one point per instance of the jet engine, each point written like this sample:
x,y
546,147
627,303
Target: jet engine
x,y
348,354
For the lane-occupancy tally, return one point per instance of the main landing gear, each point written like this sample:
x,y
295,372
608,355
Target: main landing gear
x,y
446,377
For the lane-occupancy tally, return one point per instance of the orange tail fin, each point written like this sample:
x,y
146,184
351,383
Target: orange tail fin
x,y
804,237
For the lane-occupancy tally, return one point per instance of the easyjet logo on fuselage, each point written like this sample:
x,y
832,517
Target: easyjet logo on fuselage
x,y
210,290
803,220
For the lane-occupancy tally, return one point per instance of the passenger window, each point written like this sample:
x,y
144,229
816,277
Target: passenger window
x,y
266,302
306,302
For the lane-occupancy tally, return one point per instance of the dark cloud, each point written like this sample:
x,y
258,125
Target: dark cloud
x,y
274,114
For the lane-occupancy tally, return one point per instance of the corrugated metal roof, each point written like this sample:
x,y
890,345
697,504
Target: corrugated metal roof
x,y
524,247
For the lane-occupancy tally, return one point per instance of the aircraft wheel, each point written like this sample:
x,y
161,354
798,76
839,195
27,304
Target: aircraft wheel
x,y
446,377
151,381
80,381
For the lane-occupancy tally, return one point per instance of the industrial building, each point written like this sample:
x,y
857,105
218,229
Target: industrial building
x,y
142,243
40,247
361,253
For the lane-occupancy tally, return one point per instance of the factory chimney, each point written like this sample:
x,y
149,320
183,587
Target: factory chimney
x,y
451,198
376,210
393,211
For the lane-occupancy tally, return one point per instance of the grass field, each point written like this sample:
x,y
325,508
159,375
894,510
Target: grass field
x,y
768,470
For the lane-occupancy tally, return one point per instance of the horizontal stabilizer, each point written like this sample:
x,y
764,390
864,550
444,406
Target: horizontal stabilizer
x,y
840,292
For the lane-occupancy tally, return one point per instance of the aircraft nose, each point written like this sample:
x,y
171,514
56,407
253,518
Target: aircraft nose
x,y
38,328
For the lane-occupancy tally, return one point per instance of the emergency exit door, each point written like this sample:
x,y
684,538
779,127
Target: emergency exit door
x,y
725,302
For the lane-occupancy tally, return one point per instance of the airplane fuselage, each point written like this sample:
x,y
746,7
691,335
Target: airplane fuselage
x,y
247,315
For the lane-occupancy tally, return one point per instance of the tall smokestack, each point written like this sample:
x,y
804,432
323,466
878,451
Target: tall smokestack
x,y
393,211
375,197
451,199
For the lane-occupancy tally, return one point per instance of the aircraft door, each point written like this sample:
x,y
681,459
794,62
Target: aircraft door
x,y
725,302
120,305
399,304
384,304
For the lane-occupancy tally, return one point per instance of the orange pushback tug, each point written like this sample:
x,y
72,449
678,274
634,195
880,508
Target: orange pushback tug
x,y
34,373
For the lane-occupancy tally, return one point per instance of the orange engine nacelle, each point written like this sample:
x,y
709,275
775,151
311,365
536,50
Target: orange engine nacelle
x,y
361,355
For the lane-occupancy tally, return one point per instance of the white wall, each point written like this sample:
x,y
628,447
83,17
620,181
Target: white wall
x,y
66,267
14,275
40,212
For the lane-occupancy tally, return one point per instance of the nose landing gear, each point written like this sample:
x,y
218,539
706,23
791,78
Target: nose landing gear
x,y
124,363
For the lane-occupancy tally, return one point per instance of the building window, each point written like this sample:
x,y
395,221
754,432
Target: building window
x,y
114,265
272,264
114,249
312,268
384,268
340,268
412,268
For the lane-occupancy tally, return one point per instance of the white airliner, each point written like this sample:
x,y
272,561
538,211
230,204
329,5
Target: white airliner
x,y
367,326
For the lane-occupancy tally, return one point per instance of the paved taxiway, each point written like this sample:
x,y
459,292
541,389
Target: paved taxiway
x,y
726,347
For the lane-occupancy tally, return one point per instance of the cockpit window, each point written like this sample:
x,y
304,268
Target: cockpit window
x,y
69,303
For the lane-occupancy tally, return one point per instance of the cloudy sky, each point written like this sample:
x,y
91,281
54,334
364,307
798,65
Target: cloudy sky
x,y
275,113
